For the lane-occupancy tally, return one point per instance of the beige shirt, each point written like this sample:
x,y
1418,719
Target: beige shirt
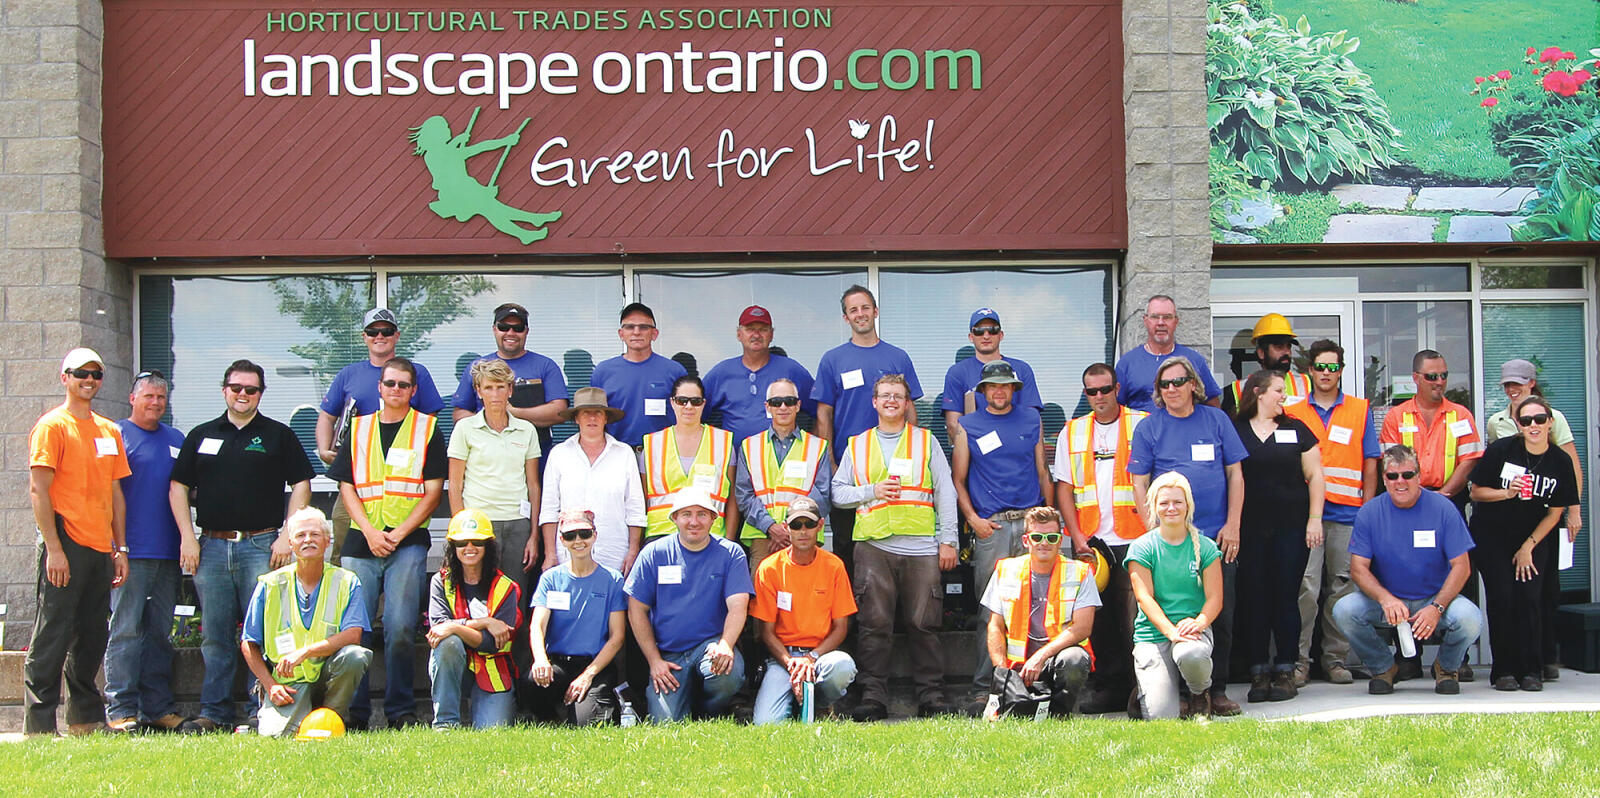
x,y
496,480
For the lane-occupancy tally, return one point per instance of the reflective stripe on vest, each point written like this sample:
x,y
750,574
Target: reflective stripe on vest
x,y
912,513
1408,421
663,475
1296,389
282,614
1079,437
772,488
1014,583
388,493
492,671
1341,462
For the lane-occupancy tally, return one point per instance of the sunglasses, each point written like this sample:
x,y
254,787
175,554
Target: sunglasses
x,y
686,401
503,326
86,374
1174,382
380,332
1536,418
783,401
1397,476
401,384
986,330
577,534
247,390
804,524
638,327
1087,391
1436,376
1044,537
1331,368
462,544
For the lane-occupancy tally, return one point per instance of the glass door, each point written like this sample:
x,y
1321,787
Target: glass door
x,y
1234,356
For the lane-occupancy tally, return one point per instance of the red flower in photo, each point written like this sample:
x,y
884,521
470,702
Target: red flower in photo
x,y
1561,82
1504,74
1490,102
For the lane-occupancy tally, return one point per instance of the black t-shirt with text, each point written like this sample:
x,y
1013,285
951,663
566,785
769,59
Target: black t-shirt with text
x,y
1554,485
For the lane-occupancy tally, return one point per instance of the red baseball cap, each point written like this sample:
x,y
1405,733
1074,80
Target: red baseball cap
x,y
755,314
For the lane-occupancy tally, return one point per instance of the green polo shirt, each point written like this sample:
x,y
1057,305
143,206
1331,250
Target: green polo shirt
x,y
495,480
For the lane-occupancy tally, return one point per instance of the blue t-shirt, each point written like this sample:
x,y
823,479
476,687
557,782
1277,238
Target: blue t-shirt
x,y
581,627
359,381
844,380
1346,513
741,394
527,366
1005,478
355,612
964,376
1410,549
1136,376
628,384
152,532
1200,446
688,591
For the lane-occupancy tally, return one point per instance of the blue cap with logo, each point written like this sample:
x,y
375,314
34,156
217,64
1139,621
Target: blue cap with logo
x,y
982,314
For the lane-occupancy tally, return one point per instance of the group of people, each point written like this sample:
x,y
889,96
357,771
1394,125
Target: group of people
x,y
635,551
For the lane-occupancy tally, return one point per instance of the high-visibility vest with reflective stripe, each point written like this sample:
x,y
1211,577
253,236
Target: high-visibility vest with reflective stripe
x,y
772,481
1014,583
1296,389
389,492
1341,462
912,513
1408,436
1079,439
282,614
663,475
493,671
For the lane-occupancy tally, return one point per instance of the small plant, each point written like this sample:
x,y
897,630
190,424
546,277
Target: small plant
x,y
1551,92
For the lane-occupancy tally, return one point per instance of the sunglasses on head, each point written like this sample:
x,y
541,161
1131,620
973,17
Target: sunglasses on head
x,y
505,326
1394,476
577,534
1332,368
1044,537
461,544
151,373
86,374
380,332
986,330
1105,389
401,384
1536,418
1436,376
804,524
1174,382
686,401
247,390
782,401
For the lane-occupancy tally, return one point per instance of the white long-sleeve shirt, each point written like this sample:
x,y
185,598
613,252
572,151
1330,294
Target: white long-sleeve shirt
x,y
609,487
846,493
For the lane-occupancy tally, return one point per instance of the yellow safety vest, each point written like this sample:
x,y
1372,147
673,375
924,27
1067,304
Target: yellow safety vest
x,y
1013,581
778,483
1296,387
663,476
389,486
1080,446
1408,436
282,614
912,513
492,671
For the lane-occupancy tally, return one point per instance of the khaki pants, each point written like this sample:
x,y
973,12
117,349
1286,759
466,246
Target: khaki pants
x,y
1326,580
886,582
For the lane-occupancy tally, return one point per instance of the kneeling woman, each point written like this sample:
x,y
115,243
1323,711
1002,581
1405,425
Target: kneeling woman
x,y
473,610
579,617
1177,581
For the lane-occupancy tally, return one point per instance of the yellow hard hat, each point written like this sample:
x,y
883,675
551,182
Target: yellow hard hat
x,y
321,724
470,524
1102,572
1271,324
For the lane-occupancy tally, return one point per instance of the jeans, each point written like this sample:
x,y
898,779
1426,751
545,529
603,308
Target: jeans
x,y
775,700
884,582
1056,687
70,632
400,579
698,690
1160,665
448,670
225,580
1272,564
1360,618
1327,579
986,552
139,655
333,689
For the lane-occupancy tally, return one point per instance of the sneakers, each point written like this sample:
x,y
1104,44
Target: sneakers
x,y
1532,684
123,725
1444,682
1339,674
1217,704
1302,674
1383,683
1283,687
1259,688
869,711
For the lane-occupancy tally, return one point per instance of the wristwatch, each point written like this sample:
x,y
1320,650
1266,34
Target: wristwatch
x,y
1436,605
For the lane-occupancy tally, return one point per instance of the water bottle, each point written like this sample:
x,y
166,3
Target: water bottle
x,y
1408,644
629,717
808,702
991,710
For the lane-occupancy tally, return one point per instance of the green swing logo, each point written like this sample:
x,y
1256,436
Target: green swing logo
x,y
461,196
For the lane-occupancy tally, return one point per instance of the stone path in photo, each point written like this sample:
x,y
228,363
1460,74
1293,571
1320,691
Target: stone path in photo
x,y
1477,213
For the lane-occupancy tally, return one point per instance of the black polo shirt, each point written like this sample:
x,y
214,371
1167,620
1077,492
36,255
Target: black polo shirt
x,y
435,465
239,475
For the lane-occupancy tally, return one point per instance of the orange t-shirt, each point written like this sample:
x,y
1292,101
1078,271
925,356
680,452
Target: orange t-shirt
x,y
1430,439
802,600
88,457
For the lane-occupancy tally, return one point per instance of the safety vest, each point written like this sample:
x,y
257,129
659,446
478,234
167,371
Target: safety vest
x,y
389,486
778,483
1408,436
493,671
912,513
1080,446
1296,388
1341,462
663,475
1015,588
282,614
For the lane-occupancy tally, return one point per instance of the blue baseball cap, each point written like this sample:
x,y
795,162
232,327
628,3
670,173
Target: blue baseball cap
x,y
981,314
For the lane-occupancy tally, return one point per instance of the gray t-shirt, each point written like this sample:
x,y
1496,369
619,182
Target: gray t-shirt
x,y
1039,587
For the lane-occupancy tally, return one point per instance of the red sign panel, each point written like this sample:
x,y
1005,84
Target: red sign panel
x,y
241,129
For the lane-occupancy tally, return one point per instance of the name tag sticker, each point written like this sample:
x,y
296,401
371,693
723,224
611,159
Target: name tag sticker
x,y
1010,592
990,442
183,610
671,575
210,445
705,478
1202,452
794,469
900,467
174,451
655,407
1286,436
1422,538
558,600
1339,434
105,447
1292,400
851,379
1510,471
285,643
476,609
785,600
1461,429
399,458
1404,428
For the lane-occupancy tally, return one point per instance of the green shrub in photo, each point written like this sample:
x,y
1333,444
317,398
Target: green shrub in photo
x,y
1550,93
1231,187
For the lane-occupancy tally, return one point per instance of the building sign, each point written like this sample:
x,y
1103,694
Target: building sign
x,y
240,129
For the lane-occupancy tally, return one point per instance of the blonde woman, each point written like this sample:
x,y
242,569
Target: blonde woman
x,y
1177,580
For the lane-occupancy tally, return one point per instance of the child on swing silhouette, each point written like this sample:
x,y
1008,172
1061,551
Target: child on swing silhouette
x,y
461,196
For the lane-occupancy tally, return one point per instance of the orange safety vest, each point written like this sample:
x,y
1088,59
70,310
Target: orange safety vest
x,y
911,514
493,671
664,476
776,484
1341,462
1408,436
1014,583
1296,389
1078,437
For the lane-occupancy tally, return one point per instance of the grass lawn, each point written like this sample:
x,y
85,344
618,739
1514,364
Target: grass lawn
x,y
1423,55
1434,755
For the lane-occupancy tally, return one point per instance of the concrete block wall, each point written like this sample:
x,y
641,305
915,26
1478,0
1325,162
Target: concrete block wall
x,y
59,290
